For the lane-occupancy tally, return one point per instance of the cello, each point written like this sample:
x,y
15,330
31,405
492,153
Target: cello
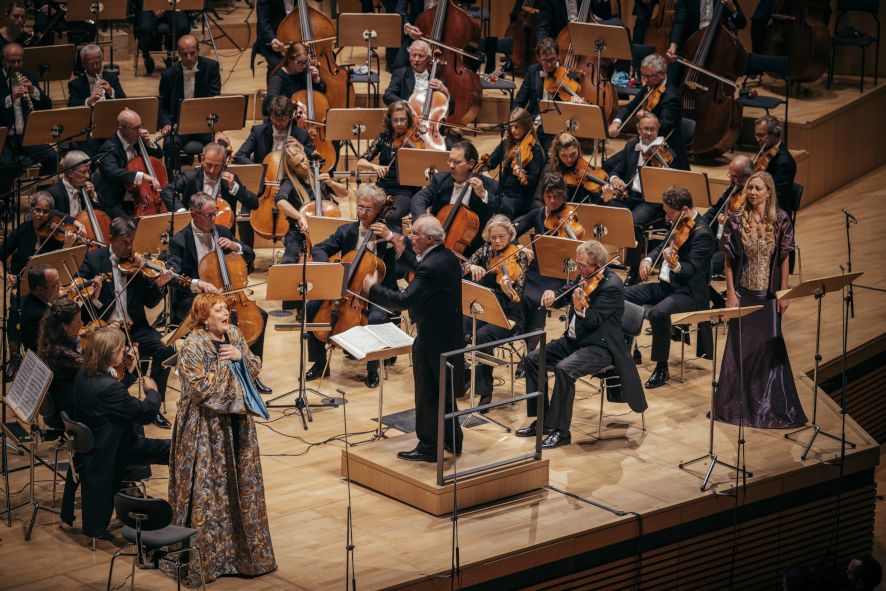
x,y
460,223
317,31
267,220
316,106
319,207
147,199
430,108
799,30
353,309
717,112
452,31
229,272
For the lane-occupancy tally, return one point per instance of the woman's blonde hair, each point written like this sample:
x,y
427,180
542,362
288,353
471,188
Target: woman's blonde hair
x,y
103,346
504,222
299,185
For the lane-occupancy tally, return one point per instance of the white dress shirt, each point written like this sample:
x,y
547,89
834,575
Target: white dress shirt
x,y
190,81
422,81
120,312
457,189
73,198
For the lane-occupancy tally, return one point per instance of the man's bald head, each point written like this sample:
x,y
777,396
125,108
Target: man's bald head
x,y
188,52
13,56
740,168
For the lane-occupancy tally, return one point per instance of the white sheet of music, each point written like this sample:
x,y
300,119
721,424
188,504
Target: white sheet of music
x,y
30,384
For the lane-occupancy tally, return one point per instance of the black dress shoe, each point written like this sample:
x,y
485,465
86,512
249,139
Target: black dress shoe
x,y
390,361
261,386
315,371
162,421
149,64
658,378
485,399
556,439
520,372
529,431
372,380
416,455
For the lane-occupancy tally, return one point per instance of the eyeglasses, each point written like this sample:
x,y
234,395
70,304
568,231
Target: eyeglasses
x,y
456,162
136,128
208,216
364,208
41,211
649,76
298,61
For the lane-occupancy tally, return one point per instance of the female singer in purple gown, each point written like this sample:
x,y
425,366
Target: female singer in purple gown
x,y
756,243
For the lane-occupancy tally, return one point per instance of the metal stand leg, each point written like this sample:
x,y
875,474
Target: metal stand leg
x,y
484,418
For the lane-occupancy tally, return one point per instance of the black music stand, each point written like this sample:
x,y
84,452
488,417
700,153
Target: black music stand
x,y
50,63
372,30
306,282
104,114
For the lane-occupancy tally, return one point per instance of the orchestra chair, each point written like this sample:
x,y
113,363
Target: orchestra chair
x,y
639,51
631,325
504,46
164,32
852,37
147,527
775,65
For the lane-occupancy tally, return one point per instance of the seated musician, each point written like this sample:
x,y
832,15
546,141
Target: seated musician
x,y
112,180
593,341
43,287
212,178
67,192
624,177
518,180
13,31
20,94
740,170
194,242
664,102
347,238
768,132
556,14
554,193
691,16
146,23
292,76
94,84
507,283
122,299
271,135
532,90
400,131
415,77
683,280
58,346
565,160
194,76
269,15
480,193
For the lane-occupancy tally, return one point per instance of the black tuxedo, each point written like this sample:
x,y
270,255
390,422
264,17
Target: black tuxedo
x,y
32,311
434,302
688,19
402,86
104,405
283,84
172,88
686,291
269,15
783,169
111,180
21,244
437,194
7,116
191,181
598,343
78,88
669,111
624,165
260,140
514,197
553,17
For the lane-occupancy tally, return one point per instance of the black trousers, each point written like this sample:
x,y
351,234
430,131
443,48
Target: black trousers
x,y
317,348
760,24
486,333
426,376
665,302
568,361
150,345
149,451
643,214
146,24
402,205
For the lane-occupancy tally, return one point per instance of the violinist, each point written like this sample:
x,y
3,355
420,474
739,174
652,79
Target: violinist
x,y
740,169
415,77
292,76
565,160
593,340
188,247
212,178
123,299
370,200
664,102
624,177
400,131
444,188
24,319
521,160
683,279
112,180
501,266
554,193
768,131
58,346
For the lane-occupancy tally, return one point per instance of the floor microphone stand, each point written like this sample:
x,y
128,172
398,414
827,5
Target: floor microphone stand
x,y
850,298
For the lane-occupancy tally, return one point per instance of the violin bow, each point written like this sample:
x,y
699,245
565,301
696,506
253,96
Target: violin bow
x,y
582,281
666,244
655,153
634,112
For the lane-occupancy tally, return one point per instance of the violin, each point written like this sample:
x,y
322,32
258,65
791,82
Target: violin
x,y
430,108
559,85
507,270
564,223
520,156
147,199
409,139
586,174
56,229
460,223
149,268
129,353
680,235
81,289
659,156
587,288
764,157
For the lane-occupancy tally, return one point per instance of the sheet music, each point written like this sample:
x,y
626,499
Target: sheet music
x,y
28,388
363,340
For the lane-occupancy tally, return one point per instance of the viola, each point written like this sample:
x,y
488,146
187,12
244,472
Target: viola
x,y
507,270
559,85
520,155
460,223
147,199
583,172
430,108
564,223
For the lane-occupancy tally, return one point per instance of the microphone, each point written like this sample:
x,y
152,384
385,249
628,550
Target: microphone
x,y
849,215
340,391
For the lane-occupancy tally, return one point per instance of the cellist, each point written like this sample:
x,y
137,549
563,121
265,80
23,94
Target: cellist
x,y
521,160
370,200
415,77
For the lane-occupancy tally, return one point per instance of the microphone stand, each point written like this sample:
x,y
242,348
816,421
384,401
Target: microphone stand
x,y
850,298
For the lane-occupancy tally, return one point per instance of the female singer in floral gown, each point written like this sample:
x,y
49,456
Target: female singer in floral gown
x,y
215,478
756,243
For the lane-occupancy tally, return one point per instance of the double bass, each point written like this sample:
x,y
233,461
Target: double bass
x,y
658,32
522,30
799,30
317,31
454,29
316,106
717,112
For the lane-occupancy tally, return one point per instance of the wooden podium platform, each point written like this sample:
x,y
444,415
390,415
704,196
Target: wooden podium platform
x,y
376,466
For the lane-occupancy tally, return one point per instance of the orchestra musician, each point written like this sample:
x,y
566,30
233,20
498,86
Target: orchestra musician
x,y
94,84
624,176
188,247
270,135
668,107
347,237
77,32
593,341
691,16
415,77
58,346
111,179
269,15
769,133
13,31
292,76
194,76
433,298
43,287
740,169
519,178
122,299
397,57
20,94
444,189
66,193
682,287
554,15
146,24
506,280
565,160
